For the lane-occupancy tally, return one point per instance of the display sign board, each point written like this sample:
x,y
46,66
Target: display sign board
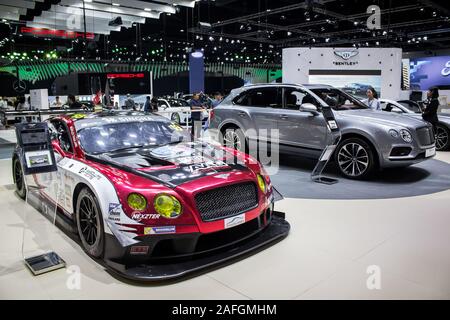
x,y
52,33
118,82
427,72
35,148
351,69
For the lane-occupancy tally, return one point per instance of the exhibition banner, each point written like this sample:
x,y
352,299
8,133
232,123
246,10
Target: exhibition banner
x,y
428,72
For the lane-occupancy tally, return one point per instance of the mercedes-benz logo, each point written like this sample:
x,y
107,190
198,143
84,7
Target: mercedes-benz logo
x,y
19,86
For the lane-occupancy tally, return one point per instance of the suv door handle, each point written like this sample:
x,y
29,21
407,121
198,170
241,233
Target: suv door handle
x,y
283,116
241,114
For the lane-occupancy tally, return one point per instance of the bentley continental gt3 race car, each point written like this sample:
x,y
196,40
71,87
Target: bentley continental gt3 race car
x,y
150,204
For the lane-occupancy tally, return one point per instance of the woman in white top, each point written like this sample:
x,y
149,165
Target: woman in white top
x,y
372,100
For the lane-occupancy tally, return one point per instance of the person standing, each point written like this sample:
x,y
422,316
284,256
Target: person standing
x,y
196,114
3,103
431,105
372,99
154,105
22,104
73,103
147,104
218,97
129,103
57,104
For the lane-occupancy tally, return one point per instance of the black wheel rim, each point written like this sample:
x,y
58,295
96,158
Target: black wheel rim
x,y
353,159
88,221
18,176
441,138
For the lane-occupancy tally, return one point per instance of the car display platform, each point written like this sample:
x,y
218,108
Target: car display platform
x,y
293,181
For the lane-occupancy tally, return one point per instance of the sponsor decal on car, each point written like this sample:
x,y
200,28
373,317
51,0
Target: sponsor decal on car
x,y
234,221
139,216
207,166
159,230
114,211
89,173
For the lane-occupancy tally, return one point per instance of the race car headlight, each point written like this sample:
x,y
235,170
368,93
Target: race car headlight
x,y
394,133
406,135
137,201
167,206
261,183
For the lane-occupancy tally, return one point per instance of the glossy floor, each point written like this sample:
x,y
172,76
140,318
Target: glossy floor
x,y
326,256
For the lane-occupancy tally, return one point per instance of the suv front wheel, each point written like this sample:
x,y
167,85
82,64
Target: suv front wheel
x,y
355,159
234,137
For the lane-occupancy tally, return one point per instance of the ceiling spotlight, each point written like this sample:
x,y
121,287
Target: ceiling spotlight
x,y
147,9
116,4
289,33
204,25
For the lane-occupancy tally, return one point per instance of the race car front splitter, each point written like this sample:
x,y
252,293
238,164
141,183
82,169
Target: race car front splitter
x,y
275,231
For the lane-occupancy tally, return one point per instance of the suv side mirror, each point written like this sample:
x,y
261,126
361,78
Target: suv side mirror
x,y
308,107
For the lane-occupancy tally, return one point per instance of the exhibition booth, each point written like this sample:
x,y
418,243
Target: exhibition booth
x,y
279,161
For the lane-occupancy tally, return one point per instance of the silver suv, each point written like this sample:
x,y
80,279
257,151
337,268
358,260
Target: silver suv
x,y
370,139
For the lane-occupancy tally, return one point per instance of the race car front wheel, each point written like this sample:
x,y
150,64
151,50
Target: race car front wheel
x,y
19,179
90,223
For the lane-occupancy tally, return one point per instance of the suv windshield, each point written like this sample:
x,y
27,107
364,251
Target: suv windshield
x,y
339,100
127,135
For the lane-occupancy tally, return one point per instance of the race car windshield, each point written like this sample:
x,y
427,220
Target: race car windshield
x,y
121,136
339,100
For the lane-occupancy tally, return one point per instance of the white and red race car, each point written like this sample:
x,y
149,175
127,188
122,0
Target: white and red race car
x,y
149,203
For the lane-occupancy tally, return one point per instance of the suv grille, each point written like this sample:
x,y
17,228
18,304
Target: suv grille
x,y
425,135
224,202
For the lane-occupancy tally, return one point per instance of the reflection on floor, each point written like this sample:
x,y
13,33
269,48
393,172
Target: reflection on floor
x,y
331,245
294,175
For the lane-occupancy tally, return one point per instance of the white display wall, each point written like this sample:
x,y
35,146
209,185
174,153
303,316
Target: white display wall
x,y
379,65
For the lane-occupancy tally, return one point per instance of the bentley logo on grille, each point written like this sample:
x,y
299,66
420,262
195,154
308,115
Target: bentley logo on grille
x,y
347,54
222,176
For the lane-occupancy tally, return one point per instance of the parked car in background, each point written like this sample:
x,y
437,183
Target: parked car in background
x,y
370,139
178,110
413,109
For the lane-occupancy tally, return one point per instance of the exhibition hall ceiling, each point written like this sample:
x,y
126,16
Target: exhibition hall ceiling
x,y
243,31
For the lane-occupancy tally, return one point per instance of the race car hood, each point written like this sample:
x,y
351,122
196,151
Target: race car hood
x,y
175,164
383,118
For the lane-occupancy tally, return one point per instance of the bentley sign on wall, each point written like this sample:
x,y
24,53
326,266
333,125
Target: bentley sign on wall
x,y
351,69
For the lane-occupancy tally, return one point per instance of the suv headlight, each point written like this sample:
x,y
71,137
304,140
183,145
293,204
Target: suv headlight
x,y
167,206
406,135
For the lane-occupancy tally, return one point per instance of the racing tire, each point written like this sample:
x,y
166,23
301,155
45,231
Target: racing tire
x,y
89,221
442,138
175,117
19,181
234,137
355,159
